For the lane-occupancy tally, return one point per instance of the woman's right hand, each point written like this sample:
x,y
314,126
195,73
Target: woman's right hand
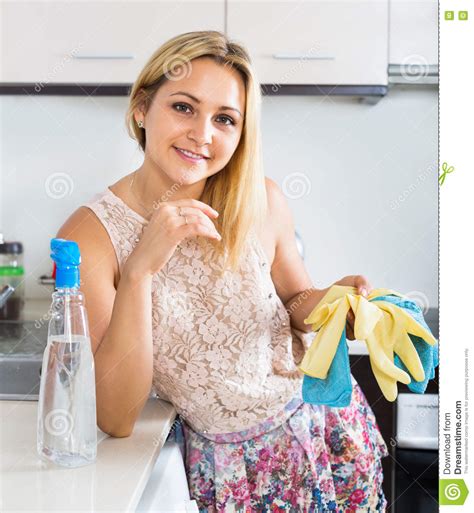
x,y
166,229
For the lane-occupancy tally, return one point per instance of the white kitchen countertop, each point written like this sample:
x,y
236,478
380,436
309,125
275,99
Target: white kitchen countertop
x,y
357,347
115,482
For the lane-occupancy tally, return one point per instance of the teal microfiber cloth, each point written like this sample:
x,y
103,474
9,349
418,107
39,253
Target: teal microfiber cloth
x,y
336,389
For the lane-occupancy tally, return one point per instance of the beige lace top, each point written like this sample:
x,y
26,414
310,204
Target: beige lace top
x,y
224,352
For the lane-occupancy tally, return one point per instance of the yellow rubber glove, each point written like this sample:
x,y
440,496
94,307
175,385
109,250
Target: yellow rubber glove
x,y
391,336
381,355
382,325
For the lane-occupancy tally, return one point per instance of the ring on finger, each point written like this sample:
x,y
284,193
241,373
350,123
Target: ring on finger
x,y
181,214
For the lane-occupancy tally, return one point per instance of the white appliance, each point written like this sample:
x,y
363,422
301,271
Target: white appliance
x,y
416,459
417,421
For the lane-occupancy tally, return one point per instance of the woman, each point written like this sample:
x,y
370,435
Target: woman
x,y
192,278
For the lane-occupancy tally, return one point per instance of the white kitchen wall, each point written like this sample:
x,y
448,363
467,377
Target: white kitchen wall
x,y
361,180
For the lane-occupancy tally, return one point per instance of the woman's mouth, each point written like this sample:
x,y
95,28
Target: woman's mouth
x,y
189,156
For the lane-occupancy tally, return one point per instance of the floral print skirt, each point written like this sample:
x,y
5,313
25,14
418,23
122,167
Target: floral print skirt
x,y
320,459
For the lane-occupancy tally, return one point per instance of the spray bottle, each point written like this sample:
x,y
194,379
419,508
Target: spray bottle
x,y
67,426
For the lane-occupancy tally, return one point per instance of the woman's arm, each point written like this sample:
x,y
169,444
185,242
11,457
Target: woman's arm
x,y
119,324
124,360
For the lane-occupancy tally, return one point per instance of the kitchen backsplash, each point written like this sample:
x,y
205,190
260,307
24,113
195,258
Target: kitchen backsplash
x,y
361,179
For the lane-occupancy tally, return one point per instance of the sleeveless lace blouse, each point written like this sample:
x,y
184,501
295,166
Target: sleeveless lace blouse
x,y
224,352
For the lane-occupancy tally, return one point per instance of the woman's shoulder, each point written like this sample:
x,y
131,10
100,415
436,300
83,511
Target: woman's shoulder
x,y
84,227
276,198
83,221
278,218
268,235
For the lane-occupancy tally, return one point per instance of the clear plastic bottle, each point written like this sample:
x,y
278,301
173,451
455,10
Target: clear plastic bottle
x,y
67,424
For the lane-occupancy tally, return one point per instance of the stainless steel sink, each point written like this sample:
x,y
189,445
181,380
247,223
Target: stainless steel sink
x,y
22,346
19,379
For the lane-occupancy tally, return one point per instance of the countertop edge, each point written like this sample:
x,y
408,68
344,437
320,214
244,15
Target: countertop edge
x,y
135,499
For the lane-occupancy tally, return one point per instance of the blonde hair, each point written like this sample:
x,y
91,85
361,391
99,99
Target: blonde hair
x,y
237,192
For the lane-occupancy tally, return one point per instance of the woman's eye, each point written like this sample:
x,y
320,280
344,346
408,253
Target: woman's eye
x,y
178,105
226,118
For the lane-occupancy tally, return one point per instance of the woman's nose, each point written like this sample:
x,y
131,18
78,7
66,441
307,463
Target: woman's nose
x,y
201,132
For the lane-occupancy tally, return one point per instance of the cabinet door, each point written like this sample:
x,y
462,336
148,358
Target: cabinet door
x,y
413,32
314,42
93,42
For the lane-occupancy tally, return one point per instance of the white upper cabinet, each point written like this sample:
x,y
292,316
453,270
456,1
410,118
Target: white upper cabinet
x,y
314,42
102,42
413,32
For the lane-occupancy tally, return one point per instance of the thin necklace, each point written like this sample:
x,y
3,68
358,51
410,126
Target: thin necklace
x,y
136,198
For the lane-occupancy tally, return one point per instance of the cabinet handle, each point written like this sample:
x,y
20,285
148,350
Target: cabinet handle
x,y
302,56
103,56
46,280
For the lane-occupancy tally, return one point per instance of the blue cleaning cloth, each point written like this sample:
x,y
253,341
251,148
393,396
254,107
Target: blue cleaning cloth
x,y
336,389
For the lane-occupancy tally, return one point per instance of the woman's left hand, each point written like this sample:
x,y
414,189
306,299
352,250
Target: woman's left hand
x,y
363,288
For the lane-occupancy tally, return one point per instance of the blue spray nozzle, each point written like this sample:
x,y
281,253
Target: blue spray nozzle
x,y
67,257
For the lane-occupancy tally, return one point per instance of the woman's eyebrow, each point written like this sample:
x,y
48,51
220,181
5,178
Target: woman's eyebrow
x,y
222,107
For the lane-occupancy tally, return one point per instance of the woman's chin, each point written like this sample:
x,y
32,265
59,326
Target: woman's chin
x,y
187,176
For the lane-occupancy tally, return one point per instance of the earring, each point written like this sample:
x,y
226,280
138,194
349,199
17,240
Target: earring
x,y
140,124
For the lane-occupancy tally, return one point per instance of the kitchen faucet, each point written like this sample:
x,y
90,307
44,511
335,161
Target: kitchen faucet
x,y
5,293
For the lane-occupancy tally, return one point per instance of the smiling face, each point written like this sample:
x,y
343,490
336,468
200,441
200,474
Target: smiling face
x,y
202,113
